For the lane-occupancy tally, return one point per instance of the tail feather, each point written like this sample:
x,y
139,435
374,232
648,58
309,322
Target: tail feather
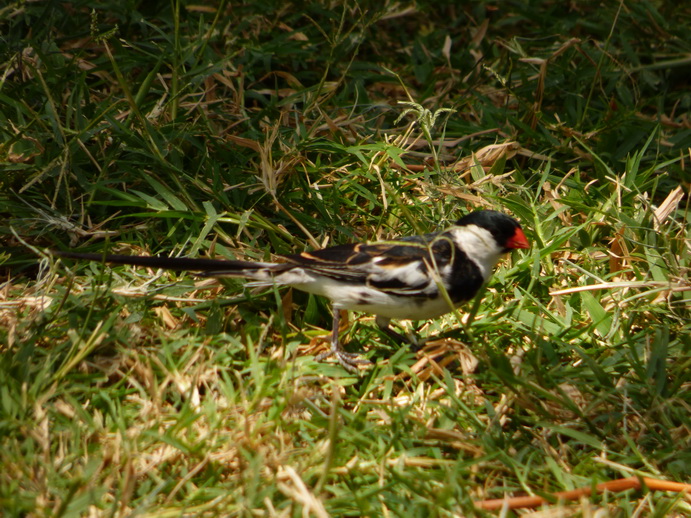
x,y
210,267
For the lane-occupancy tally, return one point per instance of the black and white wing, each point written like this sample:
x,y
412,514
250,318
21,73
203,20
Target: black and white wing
x,y
409,267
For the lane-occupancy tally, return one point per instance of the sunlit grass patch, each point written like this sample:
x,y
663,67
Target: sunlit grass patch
x,y
251,131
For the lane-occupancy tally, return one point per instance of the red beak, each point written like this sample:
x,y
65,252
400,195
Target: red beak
x,y
518,240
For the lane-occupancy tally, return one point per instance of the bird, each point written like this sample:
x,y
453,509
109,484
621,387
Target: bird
x,y
417,277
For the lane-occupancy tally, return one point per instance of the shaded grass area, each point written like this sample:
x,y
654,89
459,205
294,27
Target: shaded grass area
x,y
246,131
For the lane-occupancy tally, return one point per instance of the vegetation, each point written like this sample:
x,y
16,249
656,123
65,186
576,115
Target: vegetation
x,y
253,129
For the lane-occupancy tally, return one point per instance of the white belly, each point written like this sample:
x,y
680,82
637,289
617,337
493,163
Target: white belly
x,y
375,302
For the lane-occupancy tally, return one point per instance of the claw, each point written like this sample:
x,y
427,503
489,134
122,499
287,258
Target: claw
x,y
349,361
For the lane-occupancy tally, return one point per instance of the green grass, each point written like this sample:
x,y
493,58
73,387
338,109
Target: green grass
x,y
257,129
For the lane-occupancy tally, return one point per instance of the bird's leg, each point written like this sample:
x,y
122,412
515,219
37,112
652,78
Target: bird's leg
x,y
383,324
350,361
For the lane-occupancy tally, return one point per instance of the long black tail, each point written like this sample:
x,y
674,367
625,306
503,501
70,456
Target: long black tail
x,y
170,263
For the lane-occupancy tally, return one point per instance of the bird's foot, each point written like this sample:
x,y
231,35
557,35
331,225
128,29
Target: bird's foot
x,y
349,361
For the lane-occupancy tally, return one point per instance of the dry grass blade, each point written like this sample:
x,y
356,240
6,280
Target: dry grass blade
x,y
669,286
622,484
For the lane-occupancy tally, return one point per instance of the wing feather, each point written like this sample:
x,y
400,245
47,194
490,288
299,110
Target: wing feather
x,y
402,267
